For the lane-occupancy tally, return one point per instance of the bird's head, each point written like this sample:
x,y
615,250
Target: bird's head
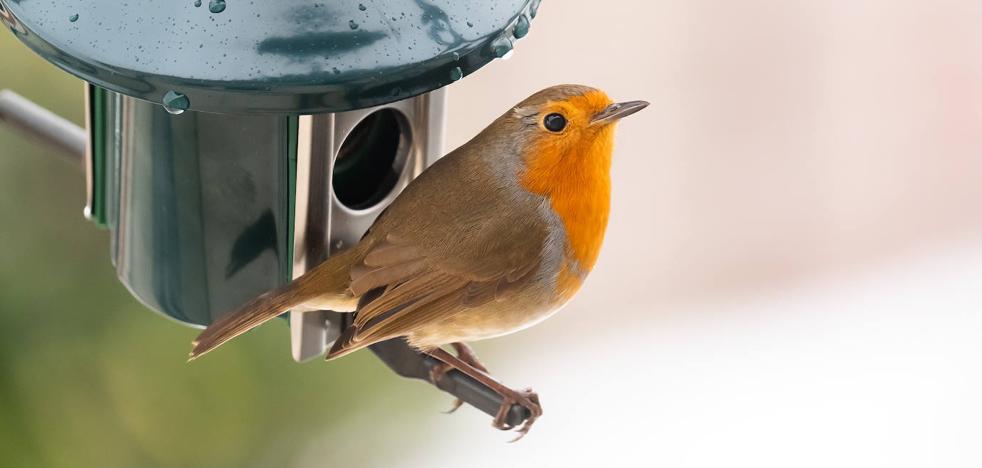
x,y
564,135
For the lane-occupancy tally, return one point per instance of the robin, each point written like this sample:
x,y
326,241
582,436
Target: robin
x,y
491,239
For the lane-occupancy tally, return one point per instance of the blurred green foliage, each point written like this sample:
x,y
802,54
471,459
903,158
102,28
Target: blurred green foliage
x,y
89,377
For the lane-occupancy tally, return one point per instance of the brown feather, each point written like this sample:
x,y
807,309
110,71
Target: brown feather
x,y
369,279
388,253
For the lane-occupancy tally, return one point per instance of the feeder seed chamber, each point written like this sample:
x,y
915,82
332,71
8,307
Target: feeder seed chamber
x,y
230,146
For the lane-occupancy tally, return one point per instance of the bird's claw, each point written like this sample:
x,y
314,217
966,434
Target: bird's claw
x,y
527,398
457,403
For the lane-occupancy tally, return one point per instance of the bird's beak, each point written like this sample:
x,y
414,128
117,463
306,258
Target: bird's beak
x,y
617,111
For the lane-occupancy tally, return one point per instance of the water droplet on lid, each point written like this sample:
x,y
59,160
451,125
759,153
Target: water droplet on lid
x,y
73,18
336,71
455,56
521,27
352,24
216,6
534,8
197,3
501,46
175,102
456,73
362,7
470,25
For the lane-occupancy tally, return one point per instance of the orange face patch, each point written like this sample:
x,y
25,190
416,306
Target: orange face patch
x,y
572,168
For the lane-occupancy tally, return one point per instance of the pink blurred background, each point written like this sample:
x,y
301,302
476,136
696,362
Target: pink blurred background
x,y
785,140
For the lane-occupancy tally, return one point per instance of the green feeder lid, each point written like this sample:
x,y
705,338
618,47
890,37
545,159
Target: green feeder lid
x,y
286,56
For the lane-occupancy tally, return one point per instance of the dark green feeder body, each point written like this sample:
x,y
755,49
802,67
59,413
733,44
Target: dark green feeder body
x,y
206,207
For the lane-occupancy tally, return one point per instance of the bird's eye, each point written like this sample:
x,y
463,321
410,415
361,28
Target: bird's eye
x,y
554,122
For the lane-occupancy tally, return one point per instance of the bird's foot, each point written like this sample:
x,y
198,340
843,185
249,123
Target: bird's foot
x,y
528,399
475,370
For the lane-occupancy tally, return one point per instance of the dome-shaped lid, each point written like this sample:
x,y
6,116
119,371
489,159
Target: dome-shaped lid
x,y
292,56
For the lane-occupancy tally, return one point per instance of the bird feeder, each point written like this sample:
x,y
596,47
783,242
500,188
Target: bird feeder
x,y
232,145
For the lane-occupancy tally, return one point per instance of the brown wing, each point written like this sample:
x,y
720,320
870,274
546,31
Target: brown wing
x,y
417,292
436,253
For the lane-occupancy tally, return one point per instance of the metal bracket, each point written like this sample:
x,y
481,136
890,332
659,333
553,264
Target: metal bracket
x,y
324,225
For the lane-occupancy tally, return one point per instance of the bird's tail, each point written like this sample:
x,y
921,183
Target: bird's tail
x,y
326,286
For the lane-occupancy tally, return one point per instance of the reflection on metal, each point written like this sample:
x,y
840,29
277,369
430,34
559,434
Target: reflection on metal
x,y
198,206
309,331
98,102
87,162
323,223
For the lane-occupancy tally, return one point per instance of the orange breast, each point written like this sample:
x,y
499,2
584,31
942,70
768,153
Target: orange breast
x,y
574,172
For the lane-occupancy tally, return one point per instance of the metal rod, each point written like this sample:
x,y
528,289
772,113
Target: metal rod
x,y
43,125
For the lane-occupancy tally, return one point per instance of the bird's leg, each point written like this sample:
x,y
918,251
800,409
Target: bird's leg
x,y
467,354
527,398
464,353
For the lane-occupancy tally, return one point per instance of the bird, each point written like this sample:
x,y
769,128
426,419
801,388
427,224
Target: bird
x,y
492,238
